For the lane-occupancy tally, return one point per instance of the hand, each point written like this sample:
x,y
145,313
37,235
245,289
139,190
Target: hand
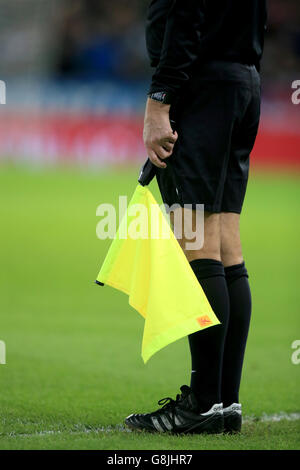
x,y
159,138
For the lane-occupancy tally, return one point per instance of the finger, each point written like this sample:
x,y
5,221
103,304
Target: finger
x,y
155,160
161,152
168,146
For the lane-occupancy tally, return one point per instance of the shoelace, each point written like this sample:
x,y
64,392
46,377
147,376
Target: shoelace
x,y
168,403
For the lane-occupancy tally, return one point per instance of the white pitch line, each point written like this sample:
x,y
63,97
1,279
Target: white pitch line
x,y
81,430
274,418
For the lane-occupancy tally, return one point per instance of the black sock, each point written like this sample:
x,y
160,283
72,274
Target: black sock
x,y
207,345
236,338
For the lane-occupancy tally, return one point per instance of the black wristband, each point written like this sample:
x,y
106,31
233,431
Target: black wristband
x,y
163,97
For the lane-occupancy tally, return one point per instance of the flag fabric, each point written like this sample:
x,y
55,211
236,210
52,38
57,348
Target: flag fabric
x,y
147,263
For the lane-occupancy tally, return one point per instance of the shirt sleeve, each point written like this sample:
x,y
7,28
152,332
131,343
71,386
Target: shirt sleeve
x,y
157,14
179,47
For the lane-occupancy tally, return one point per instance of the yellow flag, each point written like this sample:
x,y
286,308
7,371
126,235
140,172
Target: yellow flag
x,y
147,263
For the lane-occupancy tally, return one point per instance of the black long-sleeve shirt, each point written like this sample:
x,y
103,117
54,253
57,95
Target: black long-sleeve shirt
x,y
183,34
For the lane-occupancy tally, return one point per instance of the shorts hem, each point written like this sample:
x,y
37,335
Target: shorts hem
x,y
208,207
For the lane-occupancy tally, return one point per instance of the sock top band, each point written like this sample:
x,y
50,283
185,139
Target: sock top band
x,y
205,268
235,272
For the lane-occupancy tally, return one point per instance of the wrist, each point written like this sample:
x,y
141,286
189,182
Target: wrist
x,y
156,107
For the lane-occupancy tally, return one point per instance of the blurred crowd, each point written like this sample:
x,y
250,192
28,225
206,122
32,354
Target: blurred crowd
x,y
98,40
281,61
104,39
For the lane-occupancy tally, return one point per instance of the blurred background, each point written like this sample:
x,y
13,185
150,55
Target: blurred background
x,y
84,63
77,74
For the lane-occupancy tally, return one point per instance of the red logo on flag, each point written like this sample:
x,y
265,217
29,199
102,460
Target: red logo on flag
x,y
204,320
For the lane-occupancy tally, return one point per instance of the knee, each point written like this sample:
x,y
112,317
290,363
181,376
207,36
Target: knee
x,y
231,258
198,234
210,248
231,250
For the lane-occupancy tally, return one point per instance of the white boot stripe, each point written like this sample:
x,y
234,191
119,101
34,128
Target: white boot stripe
x,y
166,422
178,422
157,424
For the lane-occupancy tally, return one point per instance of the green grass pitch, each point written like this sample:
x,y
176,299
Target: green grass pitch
x,y
74,369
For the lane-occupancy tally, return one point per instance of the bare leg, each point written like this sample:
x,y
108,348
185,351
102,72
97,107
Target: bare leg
x,y
231,248
212,235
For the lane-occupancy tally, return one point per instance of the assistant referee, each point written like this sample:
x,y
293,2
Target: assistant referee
x,y
206,55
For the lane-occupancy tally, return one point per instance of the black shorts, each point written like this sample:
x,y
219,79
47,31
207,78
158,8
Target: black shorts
x,y
217,119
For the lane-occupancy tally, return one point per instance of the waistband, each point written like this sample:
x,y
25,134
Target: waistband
x,y
229,71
